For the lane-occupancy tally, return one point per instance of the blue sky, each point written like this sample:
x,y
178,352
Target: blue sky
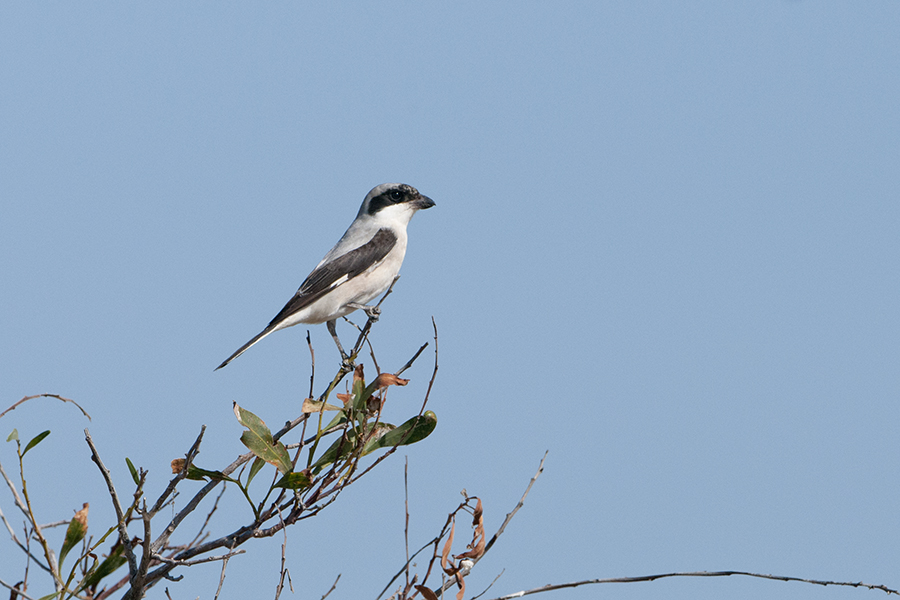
x,y
665,249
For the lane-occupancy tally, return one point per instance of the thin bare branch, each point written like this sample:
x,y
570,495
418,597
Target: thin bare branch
x,y
22,546
499,575
120,515
406,514
410,362
283,570
221,577
450,582
560,586
333,586
57,396
405,566
312,365
198,561
15,590
215,506
521,503
434,372
15,493
189,459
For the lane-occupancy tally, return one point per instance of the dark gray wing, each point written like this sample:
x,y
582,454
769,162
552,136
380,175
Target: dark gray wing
x,y
338,271
326,278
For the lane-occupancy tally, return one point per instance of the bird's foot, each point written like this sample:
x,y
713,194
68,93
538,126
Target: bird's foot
x,y
373,312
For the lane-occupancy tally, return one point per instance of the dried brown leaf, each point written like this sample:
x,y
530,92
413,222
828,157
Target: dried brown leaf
x,y
386,379
426,592
82,515
314,406
476,548
445,554
462,587
177,465
358,375
345,398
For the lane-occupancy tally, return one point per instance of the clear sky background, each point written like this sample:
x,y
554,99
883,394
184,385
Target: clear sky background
x,y
665,249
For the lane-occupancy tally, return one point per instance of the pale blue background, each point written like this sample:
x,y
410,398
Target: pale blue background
x,y
665,248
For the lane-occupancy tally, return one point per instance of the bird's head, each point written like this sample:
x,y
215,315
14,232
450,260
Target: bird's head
x,y
396,202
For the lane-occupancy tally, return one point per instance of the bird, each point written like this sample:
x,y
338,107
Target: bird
x,y
361,266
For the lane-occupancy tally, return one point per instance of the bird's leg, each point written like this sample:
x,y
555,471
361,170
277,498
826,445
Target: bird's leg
x,y
373,312
344,358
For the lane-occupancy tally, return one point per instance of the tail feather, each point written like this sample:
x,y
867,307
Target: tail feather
x,y
246,346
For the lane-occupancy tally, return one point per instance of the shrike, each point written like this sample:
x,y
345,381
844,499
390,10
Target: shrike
x,y
360,267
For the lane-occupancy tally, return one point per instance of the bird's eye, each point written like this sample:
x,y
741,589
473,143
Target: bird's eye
x,y
396,195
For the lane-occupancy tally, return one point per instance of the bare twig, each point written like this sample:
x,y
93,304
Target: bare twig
x,y
15,590
57,396
198,561
209,515
120,515
518,506
12,488
434,373
145,553
333,586
368,326
222,576
283,570
499,575
410,362
406,513
408,562
18,543
312,364
189,459
560,586
450,582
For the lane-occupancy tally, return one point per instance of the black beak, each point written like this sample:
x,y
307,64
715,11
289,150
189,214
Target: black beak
x,y
424,202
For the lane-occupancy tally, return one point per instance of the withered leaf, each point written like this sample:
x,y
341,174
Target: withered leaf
x,y
476,548
75,532
386,379
445,554
426,592
314,406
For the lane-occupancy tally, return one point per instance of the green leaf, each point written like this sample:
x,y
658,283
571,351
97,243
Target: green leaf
x,y
294,481
259,440
197,474
133,471
345,444
360,394
107,567
35,441
254,468
414,430
75,532
273,453
13,435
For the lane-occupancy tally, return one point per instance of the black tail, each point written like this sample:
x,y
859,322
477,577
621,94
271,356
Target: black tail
x,y
246,346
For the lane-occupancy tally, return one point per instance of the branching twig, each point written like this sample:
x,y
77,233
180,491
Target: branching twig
x,y
15,591
57,396
333,586
189,459
516,509
197,561
560,586
120,515
406,514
